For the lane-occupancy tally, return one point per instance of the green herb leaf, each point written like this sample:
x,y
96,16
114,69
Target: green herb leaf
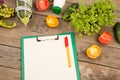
x,y
91,19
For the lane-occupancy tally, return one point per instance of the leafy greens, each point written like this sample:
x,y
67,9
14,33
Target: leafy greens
x,y
90,19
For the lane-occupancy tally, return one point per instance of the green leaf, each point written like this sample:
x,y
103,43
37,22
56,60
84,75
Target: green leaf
x,y
80,35
91,19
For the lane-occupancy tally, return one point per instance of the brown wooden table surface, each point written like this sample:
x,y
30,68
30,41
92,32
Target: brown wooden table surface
x,y
106,67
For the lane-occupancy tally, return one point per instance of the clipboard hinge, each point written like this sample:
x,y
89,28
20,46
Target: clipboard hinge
x,y
44,38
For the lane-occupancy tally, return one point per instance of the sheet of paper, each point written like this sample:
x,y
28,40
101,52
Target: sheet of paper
x,y
47,60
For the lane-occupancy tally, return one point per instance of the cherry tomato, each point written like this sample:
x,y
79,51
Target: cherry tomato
x,y
52,21
105,37
93,51
42,5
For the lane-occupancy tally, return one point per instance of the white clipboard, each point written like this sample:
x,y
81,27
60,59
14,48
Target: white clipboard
x,y
49,57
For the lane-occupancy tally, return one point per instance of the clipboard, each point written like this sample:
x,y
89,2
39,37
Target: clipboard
x,y
50,57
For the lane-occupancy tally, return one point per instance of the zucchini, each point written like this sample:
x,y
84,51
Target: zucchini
x,y
24,10
117,31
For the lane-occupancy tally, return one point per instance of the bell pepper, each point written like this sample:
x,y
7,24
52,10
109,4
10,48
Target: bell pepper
x,y
42,5
105,37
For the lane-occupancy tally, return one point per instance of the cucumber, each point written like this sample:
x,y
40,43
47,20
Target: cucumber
x,y
117,31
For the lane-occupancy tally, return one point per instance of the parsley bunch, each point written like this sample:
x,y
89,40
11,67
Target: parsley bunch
x,y
90,19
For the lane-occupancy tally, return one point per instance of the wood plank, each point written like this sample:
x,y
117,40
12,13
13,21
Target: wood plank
x,y
94,38
49,11
12,36
10,67
9,74
9,57
86,41
109,57
67,4
10,3
63,27
41,27
42,24
37,26
87,72
95,72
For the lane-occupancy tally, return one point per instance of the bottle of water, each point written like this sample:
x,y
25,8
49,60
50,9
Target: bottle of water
x,y
58,5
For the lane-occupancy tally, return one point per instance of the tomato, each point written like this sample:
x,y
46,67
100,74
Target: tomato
x,y
93,51
42,5
105,37
52,21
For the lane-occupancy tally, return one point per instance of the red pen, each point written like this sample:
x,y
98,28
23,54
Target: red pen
x,y
68,51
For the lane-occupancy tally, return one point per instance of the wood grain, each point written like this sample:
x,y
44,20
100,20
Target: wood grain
x,y
95,72
10,67
37,26
9,74
10,57
41,27
106,67
68,3
109,57
12,36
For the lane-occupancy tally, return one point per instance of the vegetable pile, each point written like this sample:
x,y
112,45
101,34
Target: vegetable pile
x,y
90,19
6,12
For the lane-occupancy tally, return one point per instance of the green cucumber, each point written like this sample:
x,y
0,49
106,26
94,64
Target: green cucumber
x,y
117,31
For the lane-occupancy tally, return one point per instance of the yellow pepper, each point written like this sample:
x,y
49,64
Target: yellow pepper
x,y
93,51
52,21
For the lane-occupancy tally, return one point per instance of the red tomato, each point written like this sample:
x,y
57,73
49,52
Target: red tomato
x,y
42,5
105,37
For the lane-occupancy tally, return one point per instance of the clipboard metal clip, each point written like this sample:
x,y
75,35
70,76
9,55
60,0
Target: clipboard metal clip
x,y
44,38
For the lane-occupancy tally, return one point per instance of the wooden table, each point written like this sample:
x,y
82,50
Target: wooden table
x,y
106,67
